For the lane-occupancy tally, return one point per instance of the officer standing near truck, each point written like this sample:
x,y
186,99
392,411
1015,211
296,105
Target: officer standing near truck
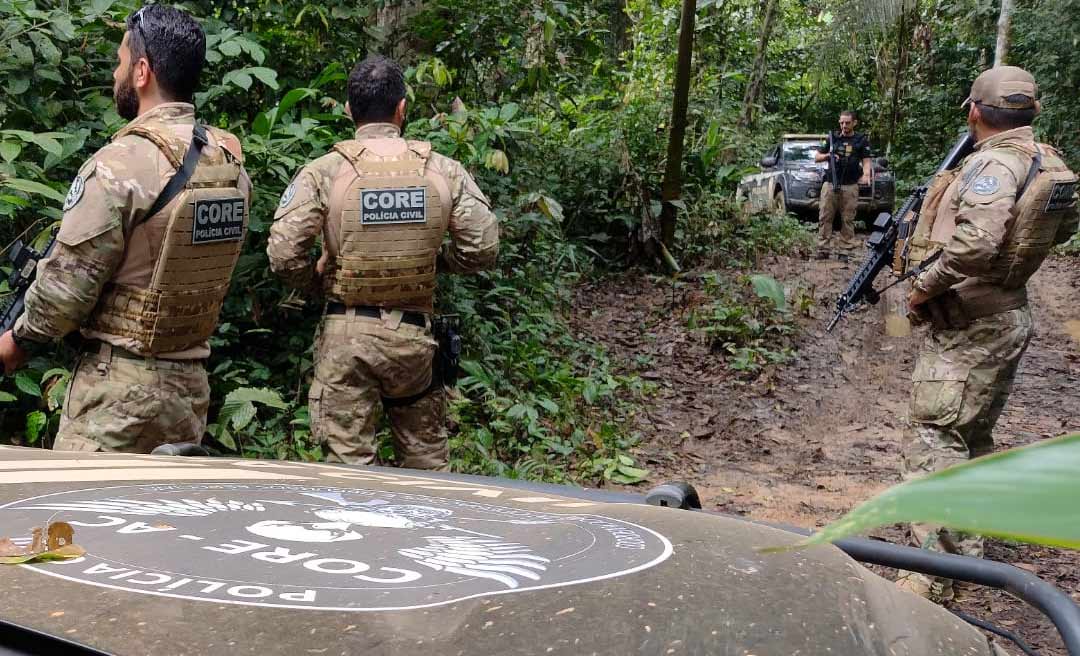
x,y
382,206
1005,208
142,272
848,153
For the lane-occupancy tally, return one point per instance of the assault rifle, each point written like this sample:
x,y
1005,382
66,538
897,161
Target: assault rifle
x,y
882,242
834,164
23,259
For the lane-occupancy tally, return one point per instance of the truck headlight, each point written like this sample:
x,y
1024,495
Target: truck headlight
x,y
806,176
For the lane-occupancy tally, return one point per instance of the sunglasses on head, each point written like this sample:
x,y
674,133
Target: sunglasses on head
x,y
136,20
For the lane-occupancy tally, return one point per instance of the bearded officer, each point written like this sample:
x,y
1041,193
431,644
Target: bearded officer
x,y
145,287
849,152
1009,203
382,206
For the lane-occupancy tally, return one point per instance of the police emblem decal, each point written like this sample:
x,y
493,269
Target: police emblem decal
x,y
75,193
986,185
286,198
327,548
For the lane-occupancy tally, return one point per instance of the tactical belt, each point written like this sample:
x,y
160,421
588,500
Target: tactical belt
x,y
370,311
108,351
954,310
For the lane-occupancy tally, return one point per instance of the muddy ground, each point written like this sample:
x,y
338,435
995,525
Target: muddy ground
x,y
803,442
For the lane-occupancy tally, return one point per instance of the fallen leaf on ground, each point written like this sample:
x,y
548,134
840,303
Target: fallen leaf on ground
x,y
56,546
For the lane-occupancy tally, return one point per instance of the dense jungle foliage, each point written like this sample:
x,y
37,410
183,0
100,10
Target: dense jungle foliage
x,y
563,116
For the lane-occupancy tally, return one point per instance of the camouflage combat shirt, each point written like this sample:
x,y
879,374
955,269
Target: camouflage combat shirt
x,y
109,196
305,207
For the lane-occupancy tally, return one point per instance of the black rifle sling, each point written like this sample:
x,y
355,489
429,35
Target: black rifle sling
x,y
180,179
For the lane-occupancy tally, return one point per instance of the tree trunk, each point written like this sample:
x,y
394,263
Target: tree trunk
x,y
1004,20
903,42
620,28
757,76
671,189
392,18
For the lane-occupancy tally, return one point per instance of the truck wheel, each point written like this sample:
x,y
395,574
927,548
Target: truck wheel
x,y
778,204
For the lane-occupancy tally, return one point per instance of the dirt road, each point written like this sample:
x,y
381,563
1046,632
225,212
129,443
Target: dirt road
x,y
805,441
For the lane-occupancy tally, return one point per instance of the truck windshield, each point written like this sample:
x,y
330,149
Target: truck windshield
x,y
800,152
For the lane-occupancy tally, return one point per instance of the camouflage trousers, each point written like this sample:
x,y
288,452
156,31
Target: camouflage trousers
x,y
961,382
847,201
119,402
360,361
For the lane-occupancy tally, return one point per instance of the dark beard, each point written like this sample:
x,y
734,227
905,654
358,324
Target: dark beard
x,y
127,101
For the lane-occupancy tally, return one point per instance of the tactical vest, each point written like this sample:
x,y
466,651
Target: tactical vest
x,y
1042,206
935,223
393,217
198,237
1039,214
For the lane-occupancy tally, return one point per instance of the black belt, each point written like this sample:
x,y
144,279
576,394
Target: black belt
x,y
411,318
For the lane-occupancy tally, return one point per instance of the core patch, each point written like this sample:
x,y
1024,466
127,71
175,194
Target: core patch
x,y
218,219
1062,197
387,206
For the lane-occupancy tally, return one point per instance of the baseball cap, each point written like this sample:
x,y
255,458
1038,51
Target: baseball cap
x,y
999,86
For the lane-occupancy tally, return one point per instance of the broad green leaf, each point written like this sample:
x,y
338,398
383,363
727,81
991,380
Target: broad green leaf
x,y
243,416
9,150
769,288
1027,494
23,55
56,371
98,7
32,187
267,76
46,48
27,385
292,97
62,27
17,86
267,397
35,421
239,78
6,397
230,48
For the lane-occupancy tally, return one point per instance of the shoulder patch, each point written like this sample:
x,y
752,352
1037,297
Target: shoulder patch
x,y
286,198
75,193
986,185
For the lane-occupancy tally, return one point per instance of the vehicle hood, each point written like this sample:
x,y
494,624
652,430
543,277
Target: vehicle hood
x,y
217,556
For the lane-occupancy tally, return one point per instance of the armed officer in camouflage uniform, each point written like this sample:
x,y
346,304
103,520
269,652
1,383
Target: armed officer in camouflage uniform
x,y
994,219
382,206
849,153
145,288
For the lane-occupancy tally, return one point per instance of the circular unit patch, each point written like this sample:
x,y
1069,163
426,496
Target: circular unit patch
x,y
325,548
986,185
75,193
286,198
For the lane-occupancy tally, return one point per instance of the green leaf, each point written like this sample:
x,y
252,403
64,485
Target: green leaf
x,y
263,396
62,27
6,397
31,187
35,421
56,371
21,53
27,385
243,416
1027,494
18,85
769,288
230,48
239,78
9,150
46,48
267,76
